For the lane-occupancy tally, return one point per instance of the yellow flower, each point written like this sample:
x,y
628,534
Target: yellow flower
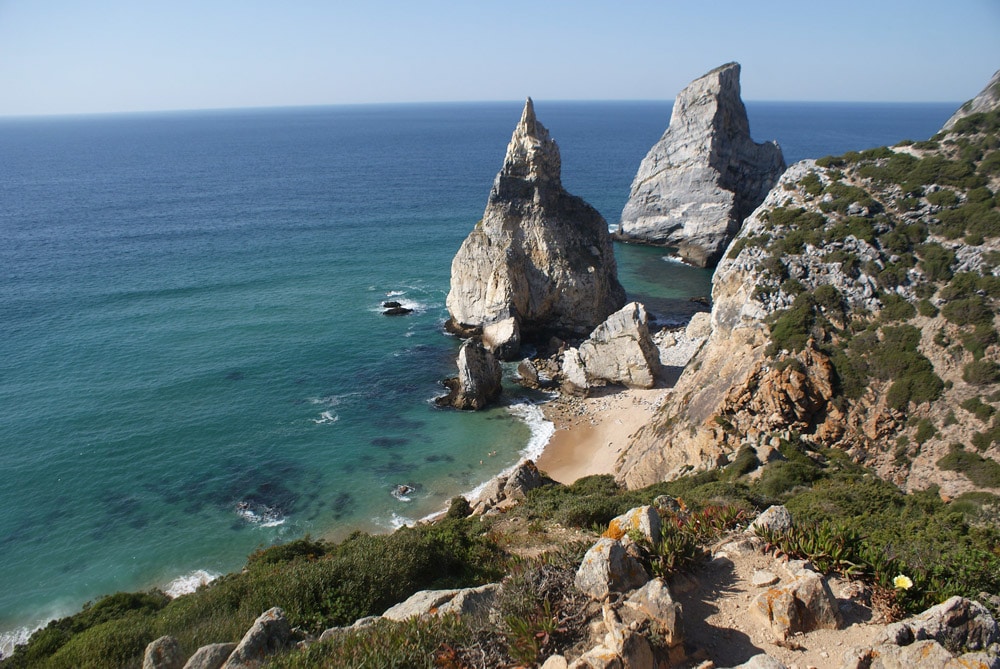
x,y
902,582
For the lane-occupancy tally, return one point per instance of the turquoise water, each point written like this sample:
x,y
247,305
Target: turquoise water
x,y
193,362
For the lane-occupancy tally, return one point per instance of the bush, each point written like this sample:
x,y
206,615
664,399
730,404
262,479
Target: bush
x,y
977,341
968,311
984,472
926,308
978,408
895,308
936,261
981,372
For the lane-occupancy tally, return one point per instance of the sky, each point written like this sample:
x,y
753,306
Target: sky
x,y
71,57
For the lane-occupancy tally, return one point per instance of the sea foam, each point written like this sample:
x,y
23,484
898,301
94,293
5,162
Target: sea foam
x,y
188,583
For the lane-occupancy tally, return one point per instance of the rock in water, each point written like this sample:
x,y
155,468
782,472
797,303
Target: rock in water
x,y
987,100
705,175
478,380
540,259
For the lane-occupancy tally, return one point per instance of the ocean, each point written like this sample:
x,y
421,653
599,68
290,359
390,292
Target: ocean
x,y
193,358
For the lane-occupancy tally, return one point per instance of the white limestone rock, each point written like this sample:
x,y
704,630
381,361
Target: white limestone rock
x,y
479,378
540,258
705,175
987,100
621,350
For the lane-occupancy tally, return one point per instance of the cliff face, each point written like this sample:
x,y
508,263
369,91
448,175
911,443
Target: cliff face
x,y
987,100
705,175
857,309
540,261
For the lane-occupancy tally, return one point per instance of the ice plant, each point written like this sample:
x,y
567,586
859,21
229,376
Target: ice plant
x,y
902,582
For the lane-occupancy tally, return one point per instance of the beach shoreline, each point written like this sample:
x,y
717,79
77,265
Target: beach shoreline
x,y
591,433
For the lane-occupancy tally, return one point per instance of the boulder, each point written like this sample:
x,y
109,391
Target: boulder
x,y
574,375
598,657
212,656
163,653
803,605
269,634
606,567
523,479
654,602
464,601
761,661
479,378
927,654
621,350
555,662
958,624
987,100
642,519
528,374
503,338
774,519
540,258
704,176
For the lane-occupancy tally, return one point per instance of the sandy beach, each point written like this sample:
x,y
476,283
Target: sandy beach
x,y
592,432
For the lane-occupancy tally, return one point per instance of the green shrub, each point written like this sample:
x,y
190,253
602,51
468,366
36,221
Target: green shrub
x,y
968,311
936,261
978,408
925,430
792,327
895,358
943,198
811,184
895,308
981,372
926,308
977,341
982,471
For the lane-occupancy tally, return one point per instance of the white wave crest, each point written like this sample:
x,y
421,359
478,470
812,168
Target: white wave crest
x,y
188,583
326,418
18,637
541,428
674,260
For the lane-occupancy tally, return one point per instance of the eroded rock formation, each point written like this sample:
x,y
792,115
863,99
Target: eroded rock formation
x,y
987,100
540,261
479,378
705,175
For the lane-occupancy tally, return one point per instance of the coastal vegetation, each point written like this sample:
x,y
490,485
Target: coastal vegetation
x,y
846,520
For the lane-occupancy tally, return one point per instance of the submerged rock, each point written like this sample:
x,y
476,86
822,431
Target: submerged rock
x,y
478,380
540,260
705,175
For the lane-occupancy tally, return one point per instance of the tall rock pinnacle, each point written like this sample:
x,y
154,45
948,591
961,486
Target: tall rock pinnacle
x,y
540,261
705,175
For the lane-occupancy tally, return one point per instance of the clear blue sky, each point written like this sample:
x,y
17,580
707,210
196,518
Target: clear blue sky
x,y
70,56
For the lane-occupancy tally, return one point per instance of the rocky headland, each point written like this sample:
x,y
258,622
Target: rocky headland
x,y
540,262
807,477
705,176
856,309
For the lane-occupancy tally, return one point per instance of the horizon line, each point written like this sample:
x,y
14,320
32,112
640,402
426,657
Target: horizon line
x,y
279,107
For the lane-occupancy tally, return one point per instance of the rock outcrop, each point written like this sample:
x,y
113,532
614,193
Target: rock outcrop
x,y
704,176
163,653
987,100
620,351
479,378
540,261
269,634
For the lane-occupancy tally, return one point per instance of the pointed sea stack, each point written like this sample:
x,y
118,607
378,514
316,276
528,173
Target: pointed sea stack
x,y
540,262
705,175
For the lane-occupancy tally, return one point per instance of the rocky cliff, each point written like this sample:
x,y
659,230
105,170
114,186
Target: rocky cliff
x,y
704,176
987,100
540,261
856,309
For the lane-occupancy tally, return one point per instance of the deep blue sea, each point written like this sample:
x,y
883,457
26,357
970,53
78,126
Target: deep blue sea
x,y
193,362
